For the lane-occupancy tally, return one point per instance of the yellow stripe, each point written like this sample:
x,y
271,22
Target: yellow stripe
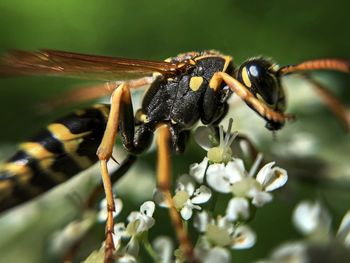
x,y
71,148
70,142
44,157
245,77
36,150
62,133
19,169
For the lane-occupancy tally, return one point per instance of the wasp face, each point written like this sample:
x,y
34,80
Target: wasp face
x,y
260,77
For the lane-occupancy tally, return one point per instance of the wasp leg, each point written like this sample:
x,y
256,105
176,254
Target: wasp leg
x,y
120,95
238,88
164,178
134,142
93,197
332,102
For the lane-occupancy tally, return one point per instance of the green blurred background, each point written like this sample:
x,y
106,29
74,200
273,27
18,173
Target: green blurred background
x,y
288,31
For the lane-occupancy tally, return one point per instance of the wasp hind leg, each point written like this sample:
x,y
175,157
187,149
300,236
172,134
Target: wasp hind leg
x,y
164,178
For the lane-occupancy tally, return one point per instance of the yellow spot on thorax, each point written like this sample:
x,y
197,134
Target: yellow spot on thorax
x,y
195,83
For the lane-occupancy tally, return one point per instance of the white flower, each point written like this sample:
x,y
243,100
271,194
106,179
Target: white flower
x,y
208,254
237,208
102,214
218,149
314,221
223,153
311,219
295,252
186,197
221,177
197,170
164,247
221,232
233,177
62,240
343,233
139,222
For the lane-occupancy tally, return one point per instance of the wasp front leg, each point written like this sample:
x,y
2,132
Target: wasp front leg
x,y
121,109
272,116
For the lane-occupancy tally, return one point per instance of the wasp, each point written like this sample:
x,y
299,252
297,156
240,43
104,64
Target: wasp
x,y
183,90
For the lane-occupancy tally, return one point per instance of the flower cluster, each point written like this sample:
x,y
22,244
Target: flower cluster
x,y
230,176
314,222
219,173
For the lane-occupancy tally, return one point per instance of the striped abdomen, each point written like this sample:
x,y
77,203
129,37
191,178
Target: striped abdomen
x,y
64,148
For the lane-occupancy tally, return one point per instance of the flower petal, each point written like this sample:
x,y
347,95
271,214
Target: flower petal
x,y
186,212
159,198
146,222
205,137
243,238
185,183
238,208
235,170
133,247
217,254
218,179
120,230
264,174
127,259
197,170
260,198
147,208
201,195
102,213
344,230
291,252
164,247
272,178
310,217
201,221
134,215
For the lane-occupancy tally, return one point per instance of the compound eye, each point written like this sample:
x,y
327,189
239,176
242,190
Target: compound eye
x,y
256,76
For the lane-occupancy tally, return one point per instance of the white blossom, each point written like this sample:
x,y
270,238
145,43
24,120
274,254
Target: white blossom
x,y
237,208
343,233
221,177
314,221
310,218
138,223
293,252
186,197
62,240
164,247
233,177
102,214
221,232
197,170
